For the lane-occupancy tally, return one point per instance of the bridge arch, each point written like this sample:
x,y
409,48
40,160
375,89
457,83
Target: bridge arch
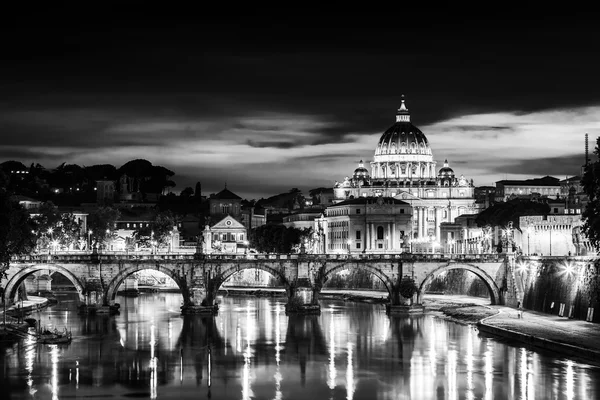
x,y
230,271
494,290
110,292
387,282
15,281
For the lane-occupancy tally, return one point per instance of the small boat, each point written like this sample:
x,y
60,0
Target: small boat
x,y
56,337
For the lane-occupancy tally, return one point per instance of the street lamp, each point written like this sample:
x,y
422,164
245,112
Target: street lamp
x,y
90,239
349,242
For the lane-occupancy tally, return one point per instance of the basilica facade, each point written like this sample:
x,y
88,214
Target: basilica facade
x,y
403,168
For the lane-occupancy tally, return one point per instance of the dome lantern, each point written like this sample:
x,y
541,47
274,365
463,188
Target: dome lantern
x,y
402,115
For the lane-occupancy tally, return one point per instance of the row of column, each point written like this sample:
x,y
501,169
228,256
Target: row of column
x,y
422,215
383,170
389,236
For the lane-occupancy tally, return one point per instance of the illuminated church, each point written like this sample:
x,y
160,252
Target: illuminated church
x,y
403,168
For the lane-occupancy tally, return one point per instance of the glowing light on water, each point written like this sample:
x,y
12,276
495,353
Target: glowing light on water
x,y
488,358
432,352
278,377
30,351
526,370
349,374
332,371
153,363
246,388
452,390
54,376
570,381
469,362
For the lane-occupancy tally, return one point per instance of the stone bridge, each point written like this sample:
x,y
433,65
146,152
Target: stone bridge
x,y
97,277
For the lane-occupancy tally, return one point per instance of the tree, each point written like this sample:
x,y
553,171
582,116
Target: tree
x,y
500,214
16,231
590,182
187,192
277,239
159,230
101,222
54,228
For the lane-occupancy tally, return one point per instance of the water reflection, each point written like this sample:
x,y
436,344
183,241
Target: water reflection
x,y
253,350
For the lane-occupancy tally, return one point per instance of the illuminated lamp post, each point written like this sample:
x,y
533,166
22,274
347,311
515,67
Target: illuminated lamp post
x,y
89,239
152,242
54,245
50,230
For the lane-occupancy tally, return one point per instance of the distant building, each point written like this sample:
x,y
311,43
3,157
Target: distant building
x,y
485,196
27,202
225,203
463,236
547,186
105,192
302,219
253,217
226,236
553,235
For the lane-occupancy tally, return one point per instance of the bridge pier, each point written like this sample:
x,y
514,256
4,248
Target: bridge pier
x,y
201,301
400,305
303,299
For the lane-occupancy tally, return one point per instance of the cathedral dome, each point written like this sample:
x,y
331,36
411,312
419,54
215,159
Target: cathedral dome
x,y
446,171
403,137
403,152
361,171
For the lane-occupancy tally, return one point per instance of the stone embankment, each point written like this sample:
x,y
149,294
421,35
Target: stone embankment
x,y
573,338
569,337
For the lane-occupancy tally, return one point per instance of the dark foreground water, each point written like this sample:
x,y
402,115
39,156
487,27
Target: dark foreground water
x,y
252,350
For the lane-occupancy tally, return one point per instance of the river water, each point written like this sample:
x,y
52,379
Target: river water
x,y
252,350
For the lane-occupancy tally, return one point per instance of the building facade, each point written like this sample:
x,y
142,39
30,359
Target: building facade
x,y
364,225
403,168
547,186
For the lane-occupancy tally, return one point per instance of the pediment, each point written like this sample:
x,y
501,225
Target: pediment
x,y
228,223
406,196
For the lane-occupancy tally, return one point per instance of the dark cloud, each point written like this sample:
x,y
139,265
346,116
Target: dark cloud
x,y
277,145
558,166
29,155
133,84
481,128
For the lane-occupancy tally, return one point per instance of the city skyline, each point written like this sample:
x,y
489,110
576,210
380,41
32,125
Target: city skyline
x,y
265,107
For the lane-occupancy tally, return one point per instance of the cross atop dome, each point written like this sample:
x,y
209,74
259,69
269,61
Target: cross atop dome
x,y
402,115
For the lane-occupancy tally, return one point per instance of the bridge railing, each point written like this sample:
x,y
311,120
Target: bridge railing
x,y
86,256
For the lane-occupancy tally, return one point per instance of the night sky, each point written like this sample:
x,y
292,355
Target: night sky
x,y
268,103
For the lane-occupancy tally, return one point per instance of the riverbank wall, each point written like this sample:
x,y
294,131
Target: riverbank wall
x,y
539,342
564,287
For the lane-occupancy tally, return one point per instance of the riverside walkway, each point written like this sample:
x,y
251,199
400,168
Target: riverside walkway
x,y
570,337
